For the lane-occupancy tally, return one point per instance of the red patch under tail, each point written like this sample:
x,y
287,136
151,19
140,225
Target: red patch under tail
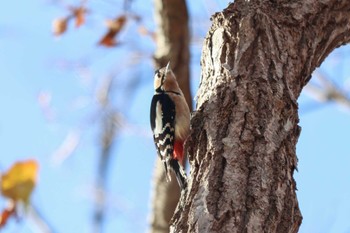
x,y
179,151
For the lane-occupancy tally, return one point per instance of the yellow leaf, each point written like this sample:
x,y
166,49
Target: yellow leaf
x,y
18,182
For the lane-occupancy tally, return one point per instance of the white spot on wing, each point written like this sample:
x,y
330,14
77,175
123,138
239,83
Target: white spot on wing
x,y
159,122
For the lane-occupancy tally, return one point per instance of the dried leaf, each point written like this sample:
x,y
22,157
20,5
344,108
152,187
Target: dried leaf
x,y
79,15
117,24
145,32
114,27
7,213
108,40
19,181
59,26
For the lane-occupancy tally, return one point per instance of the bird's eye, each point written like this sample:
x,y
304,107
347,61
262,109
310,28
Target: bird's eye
x,y
156,72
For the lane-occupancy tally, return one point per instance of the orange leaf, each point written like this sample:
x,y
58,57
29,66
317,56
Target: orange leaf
x,y
108,40
145,32
19,181
79,15
59,26
116,24
6,214
114,27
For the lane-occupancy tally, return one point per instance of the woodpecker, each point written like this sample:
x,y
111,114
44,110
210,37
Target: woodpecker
x,y
170,123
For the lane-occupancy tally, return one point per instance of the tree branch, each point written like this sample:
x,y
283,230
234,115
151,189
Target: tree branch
x,y
327,91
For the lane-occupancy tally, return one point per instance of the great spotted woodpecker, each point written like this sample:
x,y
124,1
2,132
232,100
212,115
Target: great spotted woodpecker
x,y
170,123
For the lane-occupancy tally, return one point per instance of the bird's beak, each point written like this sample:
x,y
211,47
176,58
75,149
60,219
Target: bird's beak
x,y
167,67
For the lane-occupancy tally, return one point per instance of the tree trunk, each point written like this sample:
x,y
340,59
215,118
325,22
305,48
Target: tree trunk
x,y
257,57
172,39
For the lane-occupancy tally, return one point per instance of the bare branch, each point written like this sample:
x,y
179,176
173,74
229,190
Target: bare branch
x,y
40,222
327,91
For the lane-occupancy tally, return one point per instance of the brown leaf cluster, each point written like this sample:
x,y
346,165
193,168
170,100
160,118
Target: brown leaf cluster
x,y
60,25
114,27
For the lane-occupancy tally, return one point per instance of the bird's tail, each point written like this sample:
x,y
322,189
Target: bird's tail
x,y
179,173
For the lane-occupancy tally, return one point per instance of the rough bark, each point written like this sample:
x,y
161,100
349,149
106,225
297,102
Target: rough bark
x,y
172,40
257,57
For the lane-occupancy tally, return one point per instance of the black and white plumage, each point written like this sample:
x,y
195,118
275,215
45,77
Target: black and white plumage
x,y
170,123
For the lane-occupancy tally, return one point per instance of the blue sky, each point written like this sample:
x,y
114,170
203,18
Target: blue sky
x,y
67,70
